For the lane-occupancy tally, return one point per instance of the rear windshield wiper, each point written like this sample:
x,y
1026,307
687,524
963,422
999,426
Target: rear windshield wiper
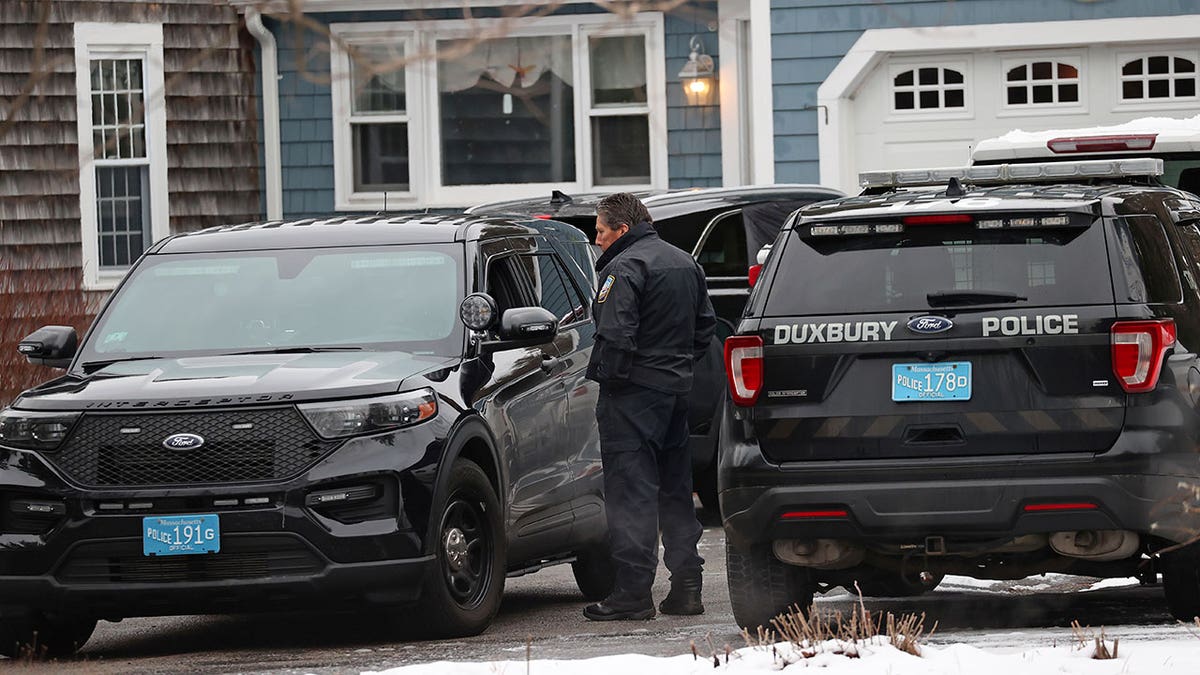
x,y
300,350
944,298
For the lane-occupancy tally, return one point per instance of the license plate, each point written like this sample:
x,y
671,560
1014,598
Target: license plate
x,y
181,535
931,381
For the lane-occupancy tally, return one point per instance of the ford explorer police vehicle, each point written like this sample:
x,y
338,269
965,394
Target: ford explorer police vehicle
x,y
351,411
986,371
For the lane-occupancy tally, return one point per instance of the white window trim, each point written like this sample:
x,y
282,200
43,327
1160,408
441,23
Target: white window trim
x,y
964,65
128,41
875,45
1152,104
1077,60
425,150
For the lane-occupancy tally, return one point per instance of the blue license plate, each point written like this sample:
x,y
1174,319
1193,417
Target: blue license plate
x,y
181,535
931,381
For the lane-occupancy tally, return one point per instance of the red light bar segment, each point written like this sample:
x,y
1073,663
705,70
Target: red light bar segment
x,y
1064,506
1102,143
542,216
800,515
939,219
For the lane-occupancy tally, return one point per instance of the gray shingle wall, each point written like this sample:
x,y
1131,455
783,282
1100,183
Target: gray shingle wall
x,y
693,129
809,37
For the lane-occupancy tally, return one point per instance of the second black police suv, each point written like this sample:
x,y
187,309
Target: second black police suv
x,y
989,371
385,411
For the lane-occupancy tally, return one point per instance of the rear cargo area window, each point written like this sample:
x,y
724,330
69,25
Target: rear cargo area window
x,y
896,272
1145,265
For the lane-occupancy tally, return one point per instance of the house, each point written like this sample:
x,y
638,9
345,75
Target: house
x,y
351,106
120,123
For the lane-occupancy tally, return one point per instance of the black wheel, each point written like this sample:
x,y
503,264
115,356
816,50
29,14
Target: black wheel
x,y
889,584
761,587
595,573
1181,583
465,595
39,636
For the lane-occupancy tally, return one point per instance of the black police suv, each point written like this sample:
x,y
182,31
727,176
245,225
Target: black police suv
x,y
382,410
988,372
723,229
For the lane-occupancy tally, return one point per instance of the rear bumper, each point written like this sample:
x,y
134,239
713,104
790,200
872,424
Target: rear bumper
x,y
1146,484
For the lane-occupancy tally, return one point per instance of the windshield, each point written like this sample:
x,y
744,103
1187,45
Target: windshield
x,y
402,298
957,265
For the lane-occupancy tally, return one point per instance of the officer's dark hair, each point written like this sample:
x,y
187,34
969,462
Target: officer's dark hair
x,y
622,207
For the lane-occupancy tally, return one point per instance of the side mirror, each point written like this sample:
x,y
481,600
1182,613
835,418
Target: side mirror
x,y
52,346
535,324
761,256
523,327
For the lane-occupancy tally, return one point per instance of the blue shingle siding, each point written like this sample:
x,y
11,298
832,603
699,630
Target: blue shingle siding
x,y
693,131
306,108
809,37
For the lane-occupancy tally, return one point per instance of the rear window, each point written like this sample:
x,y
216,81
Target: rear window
x,y
896,272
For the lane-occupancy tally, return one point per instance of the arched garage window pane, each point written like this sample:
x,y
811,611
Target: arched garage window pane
x,y
1158,77
928,88
1042,83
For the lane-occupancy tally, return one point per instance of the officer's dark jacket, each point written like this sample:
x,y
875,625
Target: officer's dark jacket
x,y
653,315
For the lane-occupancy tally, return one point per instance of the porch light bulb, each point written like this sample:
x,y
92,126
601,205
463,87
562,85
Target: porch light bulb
x,y
698,87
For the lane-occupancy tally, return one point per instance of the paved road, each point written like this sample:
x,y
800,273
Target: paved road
x,y
542,614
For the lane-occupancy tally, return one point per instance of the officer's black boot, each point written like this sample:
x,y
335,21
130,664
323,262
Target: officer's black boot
x,y
684,597
621,606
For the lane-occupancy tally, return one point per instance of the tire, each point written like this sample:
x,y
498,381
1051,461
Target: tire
x,y
464,593
761,587
39,636
595,573
1181,583
889,584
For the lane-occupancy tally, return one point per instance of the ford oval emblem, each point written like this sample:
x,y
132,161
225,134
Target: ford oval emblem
x,y
183,442
929,324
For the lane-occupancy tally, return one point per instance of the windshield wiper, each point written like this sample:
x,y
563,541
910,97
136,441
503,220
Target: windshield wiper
x,y
90,366
944,298
299,350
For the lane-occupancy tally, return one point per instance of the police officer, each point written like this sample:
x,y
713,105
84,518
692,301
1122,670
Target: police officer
x,y
653,320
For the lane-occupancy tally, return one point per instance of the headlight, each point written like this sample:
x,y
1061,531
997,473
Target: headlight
x,y
35,430
364,416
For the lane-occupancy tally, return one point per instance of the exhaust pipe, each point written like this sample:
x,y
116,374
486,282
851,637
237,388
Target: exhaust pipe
x,y
1097,545
822,554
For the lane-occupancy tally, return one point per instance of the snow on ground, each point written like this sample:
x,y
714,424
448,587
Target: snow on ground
x,y
1141,650
876,657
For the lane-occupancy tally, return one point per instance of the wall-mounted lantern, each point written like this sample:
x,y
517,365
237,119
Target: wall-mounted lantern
x,y
698,73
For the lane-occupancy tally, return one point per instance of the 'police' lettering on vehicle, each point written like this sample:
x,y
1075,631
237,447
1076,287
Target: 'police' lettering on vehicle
x,y
1042,324
861,331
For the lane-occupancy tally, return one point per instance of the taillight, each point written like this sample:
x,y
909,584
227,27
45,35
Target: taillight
x,y
1102,143
1137,352
744,368
755,270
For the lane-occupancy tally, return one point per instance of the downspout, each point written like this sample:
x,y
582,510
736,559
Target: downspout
x,y
270,89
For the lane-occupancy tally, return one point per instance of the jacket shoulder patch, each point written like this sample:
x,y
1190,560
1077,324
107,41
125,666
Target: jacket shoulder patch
x,y
608,284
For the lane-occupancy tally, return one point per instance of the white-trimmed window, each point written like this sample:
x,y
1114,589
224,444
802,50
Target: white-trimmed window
x,y
1041,82
122,146
570,103
928,88
1158,77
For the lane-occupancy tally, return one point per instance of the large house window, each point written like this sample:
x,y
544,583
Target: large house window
x,y
1158,78
122,139
928,88
1042,83
571,103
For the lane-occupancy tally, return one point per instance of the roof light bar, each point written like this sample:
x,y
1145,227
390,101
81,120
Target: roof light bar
x,y
1014,173
857,228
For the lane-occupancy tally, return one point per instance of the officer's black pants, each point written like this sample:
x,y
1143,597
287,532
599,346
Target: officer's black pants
x,y
647,484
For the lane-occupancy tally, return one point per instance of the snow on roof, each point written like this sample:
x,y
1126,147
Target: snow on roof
x,y
1183,134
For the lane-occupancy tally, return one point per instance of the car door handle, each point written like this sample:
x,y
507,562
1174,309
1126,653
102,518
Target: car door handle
x,y
550,364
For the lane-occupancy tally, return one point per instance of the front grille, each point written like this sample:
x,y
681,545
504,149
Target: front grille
x,y
241,557
239,445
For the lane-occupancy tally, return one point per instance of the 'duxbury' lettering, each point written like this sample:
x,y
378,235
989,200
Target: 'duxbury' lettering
x,y
856,331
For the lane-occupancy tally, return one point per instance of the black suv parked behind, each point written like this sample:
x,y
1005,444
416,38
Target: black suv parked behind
x,y
723,229
989,372
295,415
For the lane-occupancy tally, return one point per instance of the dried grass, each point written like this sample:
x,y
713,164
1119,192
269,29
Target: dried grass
x,y
1085,637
